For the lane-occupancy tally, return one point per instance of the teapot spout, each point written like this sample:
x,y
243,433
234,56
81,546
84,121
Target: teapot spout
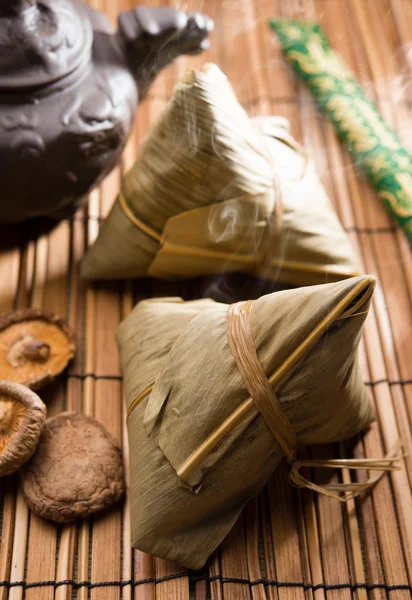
x,y
154,37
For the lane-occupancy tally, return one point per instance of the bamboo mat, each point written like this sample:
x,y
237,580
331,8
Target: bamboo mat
x,y
288,544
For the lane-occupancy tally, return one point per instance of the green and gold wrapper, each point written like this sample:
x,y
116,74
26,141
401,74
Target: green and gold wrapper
x,y
375,146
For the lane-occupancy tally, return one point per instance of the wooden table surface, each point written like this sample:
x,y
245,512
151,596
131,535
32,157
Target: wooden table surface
x,y
288,544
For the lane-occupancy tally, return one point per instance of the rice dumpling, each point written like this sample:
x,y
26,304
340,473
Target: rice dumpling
x,y
218,394
212,191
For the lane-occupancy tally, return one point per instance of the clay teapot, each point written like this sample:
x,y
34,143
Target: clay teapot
x,y
69,89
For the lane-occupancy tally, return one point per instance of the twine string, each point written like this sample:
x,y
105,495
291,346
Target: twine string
x,y
279,208
244,352
275,219
137,222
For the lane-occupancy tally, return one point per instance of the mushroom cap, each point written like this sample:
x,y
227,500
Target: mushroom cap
x,y
34,347
76,470
22,416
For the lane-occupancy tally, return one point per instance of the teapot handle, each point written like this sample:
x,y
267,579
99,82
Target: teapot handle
x,y
152,37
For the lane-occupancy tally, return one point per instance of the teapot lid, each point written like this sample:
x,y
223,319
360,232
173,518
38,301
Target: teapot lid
x,y
42,41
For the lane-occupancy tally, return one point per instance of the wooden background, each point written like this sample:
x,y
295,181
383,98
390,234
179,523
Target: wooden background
x,y
288,543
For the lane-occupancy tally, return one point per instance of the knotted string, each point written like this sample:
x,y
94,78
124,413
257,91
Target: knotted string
x,y
243,349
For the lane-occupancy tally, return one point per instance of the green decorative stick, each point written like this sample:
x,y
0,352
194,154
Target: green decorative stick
x,y
375,147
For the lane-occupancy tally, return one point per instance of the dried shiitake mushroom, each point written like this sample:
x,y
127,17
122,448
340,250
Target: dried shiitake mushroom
x,y
76,470
34,347
22,416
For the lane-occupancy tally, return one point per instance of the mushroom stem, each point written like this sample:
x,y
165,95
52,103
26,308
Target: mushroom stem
x,y
27,349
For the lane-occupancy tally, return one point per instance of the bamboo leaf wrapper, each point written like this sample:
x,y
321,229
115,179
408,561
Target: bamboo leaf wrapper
x,y
212,191
200,447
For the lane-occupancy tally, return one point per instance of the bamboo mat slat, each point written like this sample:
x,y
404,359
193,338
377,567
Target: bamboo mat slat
x,y
288,544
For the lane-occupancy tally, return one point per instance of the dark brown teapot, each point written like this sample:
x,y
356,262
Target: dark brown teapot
x,y
69,88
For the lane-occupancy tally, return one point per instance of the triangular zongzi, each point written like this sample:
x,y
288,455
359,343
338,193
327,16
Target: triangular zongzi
x,y
213,190
204,438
